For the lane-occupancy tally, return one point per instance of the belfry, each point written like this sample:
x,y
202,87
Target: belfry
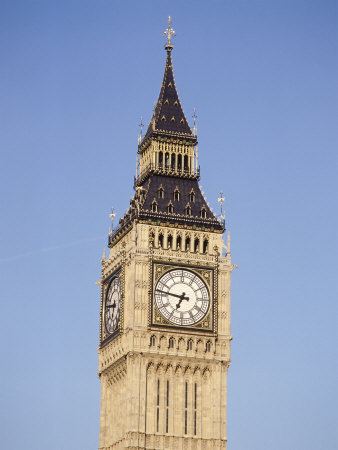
x,y
165,298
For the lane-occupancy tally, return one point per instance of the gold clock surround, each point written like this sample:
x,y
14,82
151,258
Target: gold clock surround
x,y
156,319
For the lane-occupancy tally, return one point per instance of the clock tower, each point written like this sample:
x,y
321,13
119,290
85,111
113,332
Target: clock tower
x,y
165,299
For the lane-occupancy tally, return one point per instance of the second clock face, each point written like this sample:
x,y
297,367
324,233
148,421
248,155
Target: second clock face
x,y
113,305
182,297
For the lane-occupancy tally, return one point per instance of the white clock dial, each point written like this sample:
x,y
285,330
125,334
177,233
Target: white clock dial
x,y
182,297
113,305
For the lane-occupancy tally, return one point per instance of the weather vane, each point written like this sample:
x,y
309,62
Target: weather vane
x,y
194,118
169,32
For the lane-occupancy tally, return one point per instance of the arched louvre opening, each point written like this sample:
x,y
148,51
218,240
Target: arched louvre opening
x,y
205,246
179,162
187,243
160,240
179,242
160,159
167,160
196,245
173,161
186,163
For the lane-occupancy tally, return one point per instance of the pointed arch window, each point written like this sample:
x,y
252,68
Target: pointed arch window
x,y
189,345
163,118
173,161
170,208
160,192
188,210
176,103
173,119
178,242
192,196
166,159
160,159
179,162
186,164
205,246
171,342
187,244
196,245
208,346
166,102
160,240
203,213
182,121
176,194
170,241
154,206
152,341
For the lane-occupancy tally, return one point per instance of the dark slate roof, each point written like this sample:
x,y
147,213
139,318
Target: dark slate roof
x,y
168,106
169,184
141,205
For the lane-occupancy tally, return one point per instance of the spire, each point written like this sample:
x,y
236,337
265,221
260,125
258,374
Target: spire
x,y
168,116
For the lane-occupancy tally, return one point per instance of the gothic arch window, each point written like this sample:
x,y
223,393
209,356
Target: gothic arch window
x,y
205,246
163,118
196,245
176,194
208,346
188,210
160,192
154,206
160,240
170,208
189,345
186,165
171,342
173,119
170,241
160,159
192,196
187,243
173,161
203,213
179,243
182,120
176,103
179,162
152,341
166,102
167,160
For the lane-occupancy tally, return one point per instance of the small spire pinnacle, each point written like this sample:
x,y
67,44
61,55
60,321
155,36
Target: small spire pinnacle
x,y
140,133
112,215
169,33
195,126
221,200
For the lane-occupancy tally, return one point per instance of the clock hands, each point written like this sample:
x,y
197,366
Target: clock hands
x,y
181,297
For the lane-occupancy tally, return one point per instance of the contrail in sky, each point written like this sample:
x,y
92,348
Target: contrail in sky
x,y
50,249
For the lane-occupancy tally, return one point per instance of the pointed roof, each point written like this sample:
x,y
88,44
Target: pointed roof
x,y
168,115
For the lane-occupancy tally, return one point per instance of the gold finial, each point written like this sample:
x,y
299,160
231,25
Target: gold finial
x,y
169,33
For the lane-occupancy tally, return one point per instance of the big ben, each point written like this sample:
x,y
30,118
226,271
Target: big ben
x,y
165,333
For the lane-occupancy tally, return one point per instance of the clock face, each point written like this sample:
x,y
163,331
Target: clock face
x,y
182,297
113,305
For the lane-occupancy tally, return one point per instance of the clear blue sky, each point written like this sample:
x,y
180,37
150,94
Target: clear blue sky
x,y
75,78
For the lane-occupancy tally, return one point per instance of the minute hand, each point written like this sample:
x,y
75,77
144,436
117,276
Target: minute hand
x,y
173,295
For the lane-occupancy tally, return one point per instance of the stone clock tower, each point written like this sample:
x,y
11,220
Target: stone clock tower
x,y
165,299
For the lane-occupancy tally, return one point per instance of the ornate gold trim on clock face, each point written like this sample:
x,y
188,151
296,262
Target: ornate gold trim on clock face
x,y
182,297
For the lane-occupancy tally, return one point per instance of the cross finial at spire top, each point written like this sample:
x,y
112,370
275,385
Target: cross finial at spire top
x,y
169,33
